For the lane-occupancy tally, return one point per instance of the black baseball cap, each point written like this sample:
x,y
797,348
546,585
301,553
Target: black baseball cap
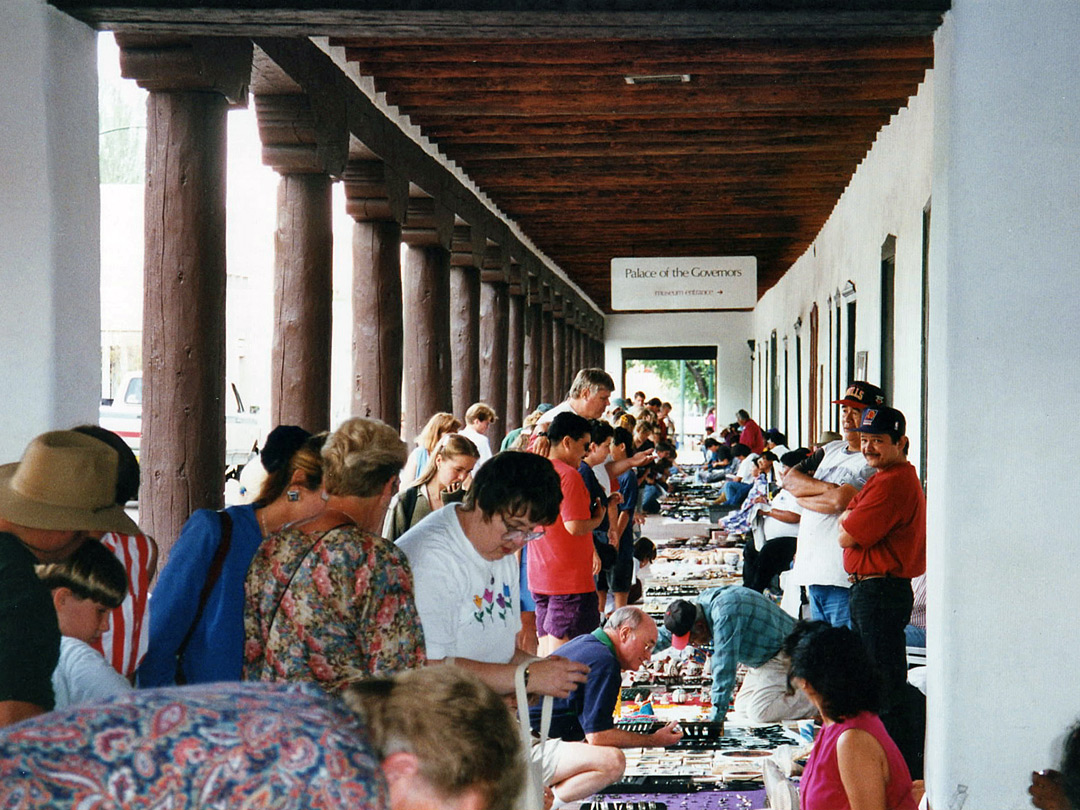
x,y
861,395
883,420
679,619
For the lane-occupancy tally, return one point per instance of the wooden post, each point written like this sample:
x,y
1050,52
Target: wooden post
x,y
547,361
558,351
183,441
533,339
465,320
305,149
426,305
303,292
515,359
494,354
579,350
376,202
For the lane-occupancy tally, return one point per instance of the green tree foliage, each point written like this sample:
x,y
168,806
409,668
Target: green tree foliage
x,y
698,375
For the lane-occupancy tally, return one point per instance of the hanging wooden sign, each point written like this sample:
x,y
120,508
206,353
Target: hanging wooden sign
x,y
696,282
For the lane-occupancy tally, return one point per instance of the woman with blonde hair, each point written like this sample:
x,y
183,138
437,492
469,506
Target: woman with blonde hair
x,y
328,599
437,426
447,469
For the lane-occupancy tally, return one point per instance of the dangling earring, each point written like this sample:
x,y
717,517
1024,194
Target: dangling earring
x,y
293,495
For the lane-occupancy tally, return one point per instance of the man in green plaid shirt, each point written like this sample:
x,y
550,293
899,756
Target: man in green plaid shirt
x,y
742,625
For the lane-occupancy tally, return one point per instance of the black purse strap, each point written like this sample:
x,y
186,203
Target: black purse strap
x,y
212,576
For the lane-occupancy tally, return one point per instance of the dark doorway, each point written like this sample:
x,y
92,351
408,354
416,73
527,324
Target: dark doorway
x,y
888,315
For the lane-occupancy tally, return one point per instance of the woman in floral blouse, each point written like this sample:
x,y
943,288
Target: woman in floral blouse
x,y
329,600
435,737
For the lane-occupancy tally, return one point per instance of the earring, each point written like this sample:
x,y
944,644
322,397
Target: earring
x,y
293,495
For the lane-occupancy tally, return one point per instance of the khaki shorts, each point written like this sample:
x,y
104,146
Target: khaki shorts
x,y
547,757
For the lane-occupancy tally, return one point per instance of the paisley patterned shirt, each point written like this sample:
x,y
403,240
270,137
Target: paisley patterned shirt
x,y
286,746
330,608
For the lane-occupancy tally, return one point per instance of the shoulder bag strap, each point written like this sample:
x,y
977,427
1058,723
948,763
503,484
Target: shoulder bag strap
x,y
212,576
292,575
534,782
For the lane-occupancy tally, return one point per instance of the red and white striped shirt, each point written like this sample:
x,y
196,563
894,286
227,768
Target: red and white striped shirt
x,y
124,643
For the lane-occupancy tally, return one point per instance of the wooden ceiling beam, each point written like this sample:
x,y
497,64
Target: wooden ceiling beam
x,y
771,136
585,68
614,82
472,154
643,52
779,99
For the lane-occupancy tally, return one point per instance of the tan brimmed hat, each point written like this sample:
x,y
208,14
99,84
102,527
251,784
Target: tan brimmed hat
x,y
66,481
828,436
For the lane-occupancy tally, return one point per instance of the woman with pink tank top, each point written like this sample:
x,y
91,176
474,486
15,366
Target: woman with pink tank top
x,y
855,763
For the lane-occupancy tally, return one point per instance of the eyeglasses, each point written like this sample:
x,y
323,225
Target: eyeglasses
x,y
649,645
516,535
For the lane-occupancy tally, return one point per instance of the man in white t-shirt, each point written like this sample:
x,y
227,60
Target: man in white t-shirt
x,y
478,421
824,484
466,586
589,395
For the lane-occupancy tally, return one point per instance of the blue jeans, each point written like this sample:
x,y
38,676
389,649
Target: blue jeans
x,y
650,499
735,492
829,603
915,636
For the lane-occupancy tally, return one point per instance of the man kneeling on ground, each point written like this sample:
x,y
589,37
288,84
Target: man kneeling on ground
x,y
624,642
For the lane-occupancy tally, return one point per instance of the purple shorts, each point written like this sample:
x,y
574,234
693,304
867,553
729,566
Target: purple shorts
x,y
566,615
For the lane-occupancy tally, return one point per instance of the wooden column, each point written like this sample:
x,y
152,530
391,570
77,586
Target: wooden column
x,y
303,251
547,357
578,352
426,305
515,359
464,322
305,151
572,346
183,444
376,201
494,354
558,349
533,340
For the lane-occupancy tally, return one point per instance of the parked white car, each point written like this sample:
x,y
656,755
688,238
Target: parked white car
x,y
123,416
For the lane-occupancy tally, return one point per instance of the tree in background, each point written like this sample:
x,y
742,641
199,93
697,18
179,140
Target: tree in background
x,y
698,375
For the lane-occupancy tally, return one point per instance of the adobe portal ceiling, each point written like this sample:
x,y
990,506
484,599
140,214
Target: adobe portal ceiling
x,y
675,129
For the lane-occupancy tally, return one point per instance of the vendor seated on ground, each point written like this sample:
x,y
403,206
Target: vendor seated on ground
x,y
625,642
743,627
428,738
717,460
86,588
761,488
737,485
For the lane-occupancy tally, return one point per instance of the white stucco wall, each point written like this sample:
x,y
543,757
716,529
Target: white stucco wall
x,y
886,196
49,323
1004,286
728,331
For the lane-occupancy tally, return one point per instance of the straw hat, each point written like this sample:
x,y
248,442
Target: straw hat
x,y
66,481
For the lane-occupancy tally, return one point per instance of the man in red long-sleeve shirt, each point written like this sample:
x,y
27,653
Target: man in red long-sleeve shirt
x,y
883,534
751,434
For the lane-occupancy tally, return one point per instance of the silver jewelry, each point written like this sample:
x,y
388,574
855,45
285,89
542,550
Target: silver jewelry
x,y
293,495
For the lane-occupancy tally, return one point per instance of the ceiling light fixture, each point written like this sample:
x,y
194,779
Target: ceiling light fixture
x,y
659,78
